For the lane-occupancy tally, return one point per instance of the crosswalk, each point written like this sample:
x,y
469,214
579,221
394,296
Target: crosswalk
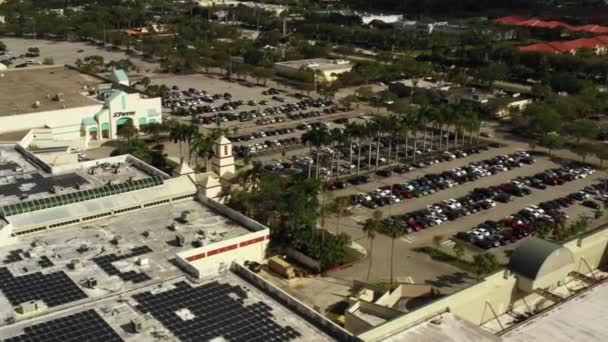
x,y
448,243
408,239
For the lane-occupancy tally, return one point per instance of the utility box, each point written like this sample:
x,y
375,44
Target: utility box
x,y
30,307
281,267
184,238
142,323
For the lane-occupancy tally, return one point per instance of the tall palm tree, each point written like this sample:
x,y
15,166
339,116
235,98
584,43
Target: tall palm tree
x,y
394,233
317,137
340,206
337,139
371,130
202,146
370,227
177,134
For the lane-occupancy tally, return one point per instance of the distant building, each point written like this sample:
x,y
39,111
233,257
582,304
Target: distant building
x,y
276,9
328,68
598,45
69,106
387,18
408,86
430,28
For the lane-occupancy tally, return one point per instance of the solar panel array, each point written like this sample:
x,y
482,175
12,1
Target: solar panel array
x,y
13,256
215,314
53,288
79,196
105,263
45,262
8,166
85,326
40,184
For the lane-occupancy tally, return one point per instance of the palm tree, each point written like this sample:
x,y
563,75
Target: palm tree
x,y
394,232
422,118
399,131
317,137
202,146
190,134
340,206
371,130
337,138
251,176
177,134
370,227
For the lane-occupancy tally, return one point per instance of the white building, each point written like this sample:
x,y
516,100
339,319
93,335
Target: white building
x,y
328,69
71,105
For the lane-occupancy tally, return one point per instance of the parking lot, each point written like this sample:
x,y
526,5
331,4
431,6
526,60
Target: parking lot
x,y
68,52
410,264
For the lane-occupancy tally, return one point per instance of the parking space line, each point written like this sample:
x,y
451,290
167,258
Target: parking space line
x,y
408,239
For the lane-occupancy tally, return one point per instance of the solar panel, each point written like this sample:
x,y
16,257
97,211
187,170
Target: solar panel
x,y
216,314
105,263
83,326
53,288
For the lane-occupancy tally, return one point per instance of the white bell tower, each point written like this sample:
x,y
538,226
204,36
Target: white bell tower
x,y
222,162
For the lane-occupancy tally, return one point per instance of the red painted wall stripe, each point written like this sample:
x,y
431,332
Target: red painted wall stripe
x,y
222,250
195,257
251,242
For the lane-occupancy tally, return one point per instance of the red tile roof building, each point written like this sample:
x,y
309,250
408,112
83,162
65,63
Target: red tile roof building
x,y
599,46
534,22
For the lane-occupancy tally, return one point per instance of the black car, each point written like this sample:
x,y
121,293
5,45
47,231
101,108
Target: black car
x,y
591,204
384,173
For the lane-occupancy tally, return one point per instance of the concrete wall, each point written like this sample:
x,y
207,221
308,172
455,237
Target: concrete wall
x,y
232,214
353,323
214,258
295,305
65,123
304,259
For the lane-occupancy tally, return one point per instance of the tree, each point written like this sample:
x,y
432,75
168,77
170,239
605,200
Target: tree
x,y
601,152
2,46
127,131
484,264
582,149
542,119
341,204
394,232
552,141
458,250
583,128
177,134
370,228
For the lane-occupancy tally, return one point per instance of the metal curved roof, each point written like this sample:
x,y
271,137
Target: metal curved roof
x,y
529,257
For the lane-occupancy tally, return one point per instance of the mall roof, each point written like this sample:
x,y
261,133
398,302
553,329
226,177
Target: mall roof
x,y
323,64
22,88
446,327
582,318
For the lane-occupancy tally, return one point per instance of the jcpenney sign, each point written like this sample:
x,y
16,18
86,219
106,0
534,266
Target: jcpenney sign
x,y
121,114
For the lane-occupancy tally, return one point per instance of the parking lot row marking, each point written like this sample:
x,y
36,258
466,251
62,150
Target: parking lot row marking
x,y
408,239
448,243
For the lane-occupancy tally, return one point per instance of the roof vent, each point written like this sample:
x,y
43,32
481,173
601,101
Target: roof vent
x,y
36,104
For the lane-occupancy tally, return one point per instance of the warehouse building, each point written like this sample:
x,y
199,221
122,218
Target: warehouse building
x,y
324,69
72,106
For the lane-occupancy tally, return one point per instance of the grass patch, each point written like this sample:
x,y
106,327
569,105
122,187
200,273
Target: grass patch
x,y
351,256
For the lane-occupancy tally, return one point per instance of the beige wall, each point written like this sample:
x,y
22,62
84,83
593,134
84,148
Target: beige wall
x,y
66,122
498,290
207,265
